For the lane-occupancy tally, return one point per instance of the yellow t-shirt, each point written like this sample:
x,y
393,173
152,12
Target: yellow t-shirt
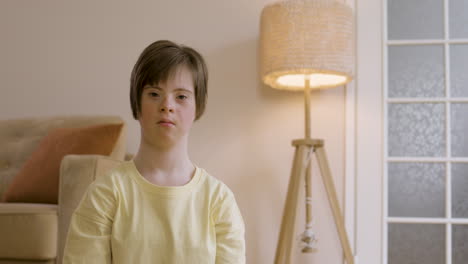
x,y
123,218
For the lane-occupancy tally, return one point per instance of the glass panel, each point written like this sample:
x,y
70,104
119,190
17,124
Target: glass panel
x,y
459,244
459,119
416,189
416,243
416,130
458,18
416,71
458,66
460,190
415,19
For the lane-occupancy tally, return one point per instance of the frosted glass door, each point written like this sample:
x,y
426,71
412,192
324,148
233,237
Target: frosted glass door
x,y
426,132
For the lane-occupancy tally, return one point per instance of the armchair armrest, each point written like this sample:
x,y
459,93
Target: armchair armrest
x,y
77,172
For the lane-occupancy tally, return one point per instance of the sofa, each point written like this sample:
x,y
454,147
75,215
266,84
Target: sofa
x,y
36,232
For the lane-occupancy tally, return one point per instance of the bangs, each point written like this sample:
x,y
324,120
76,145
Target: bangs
x,y
165,67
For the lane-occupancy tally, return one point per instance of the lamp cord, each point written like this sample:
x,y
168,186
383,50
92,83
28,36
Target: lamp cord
x,y
308,238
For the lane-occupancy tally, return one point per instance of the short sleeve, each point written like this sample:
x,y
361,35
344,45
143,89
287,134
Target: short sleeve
x,y
88,239
230,231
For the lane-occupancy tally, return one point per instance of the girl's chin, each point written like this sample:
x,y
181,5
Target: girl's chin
x,y
164,139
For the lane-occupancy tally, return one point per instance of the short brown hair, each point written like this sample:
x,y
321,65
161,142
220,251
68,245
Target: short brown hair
x,y
157,62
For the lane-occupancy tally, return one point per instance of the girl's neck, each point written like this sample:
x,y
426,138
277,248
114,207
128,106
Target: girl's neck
x,y
164,164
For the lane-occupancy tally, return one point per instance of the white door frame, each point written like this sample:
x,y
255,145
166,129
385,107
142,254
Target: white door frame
x,y
368,136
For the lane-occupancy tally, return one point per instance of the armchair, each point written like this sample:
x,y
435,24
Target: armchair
x,y
35,232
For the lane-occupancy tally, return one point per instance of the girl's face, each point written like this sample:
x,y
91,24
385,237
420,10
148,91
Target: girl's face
x,y
168,109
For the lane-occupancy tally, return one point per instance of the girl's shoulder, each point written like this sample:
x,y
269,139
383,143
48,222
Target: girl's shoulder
x,y
216,187
114,176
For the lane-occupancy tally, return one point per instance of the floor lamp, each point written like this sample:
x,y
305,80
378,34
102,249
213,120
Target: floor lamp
x,y
306,45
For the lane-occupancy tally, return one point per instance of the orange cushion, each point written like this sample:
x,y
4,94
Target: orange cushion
x,y
38,179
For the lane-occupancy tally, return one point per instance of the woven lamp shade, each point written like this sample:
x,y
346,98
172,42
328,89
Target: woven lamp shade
x,y
302,39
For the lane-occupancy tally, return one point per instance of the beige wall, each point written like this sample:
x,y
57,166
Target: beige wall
x,y
75,57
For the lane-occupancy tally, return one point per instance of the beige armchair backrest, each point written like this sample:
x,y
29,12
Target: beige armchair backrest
x,y
20,137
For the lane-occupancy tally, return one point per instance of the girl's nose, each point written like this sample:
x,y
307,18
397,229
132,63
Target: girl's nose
x,y
166,106
166,109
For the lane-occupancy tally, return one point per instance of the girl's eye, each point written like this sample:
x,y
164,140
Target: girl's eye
x,y
154,94
182,97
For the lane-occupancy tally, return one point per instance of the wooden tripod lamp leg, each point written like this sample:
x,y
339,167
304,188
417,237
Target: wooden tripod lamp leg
x,y
332,198
283,250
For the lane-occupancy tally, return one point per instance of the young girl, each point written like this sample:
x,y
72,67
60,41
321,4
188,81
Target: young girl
x,y
160,207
